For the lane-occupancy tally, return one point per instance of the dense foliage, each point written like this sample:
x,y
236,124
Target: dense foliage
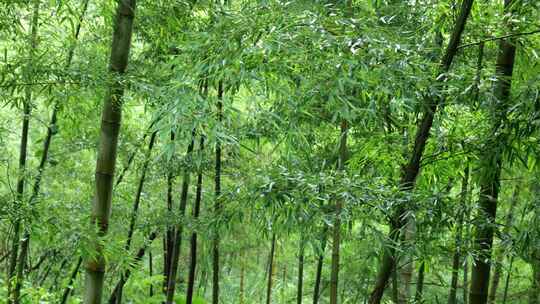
x,y
349,151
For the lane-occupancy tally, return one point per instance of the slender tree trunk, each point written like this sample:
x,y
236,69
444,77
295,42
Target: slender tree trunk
x,y
42,259
196,211
270,270
411,169
69,287
51,131
58,273
300,285
507,283
151,270
217,207
336,231
467,214
169,236
113,299
118,181
419,296
466,241
17,263
135,210
136,203
499,256
175,258
131,157
456,260
45,275
106,161
491,167
318,271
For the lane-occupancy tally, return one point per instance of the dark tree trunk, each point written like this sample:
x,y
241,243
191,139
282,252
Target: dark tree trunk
x,y
51,131
499,256
58,274
132,155
17,263
419,296
72,277
318,271
45,275
135,210
113,299
411,169
300,285
270,270
196,211
217,207
140,186
173,269
151,270
118,181
168,241
336,231
456,260
507,283
106,161
42,259
491,167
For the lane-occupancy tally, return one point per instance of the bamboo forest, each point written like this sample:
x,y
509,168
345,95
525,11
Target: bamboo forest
x,y
269,151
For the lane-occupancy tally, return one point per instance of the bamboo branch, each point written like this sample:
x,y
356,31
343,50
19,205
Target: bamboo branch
x,y
499,38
